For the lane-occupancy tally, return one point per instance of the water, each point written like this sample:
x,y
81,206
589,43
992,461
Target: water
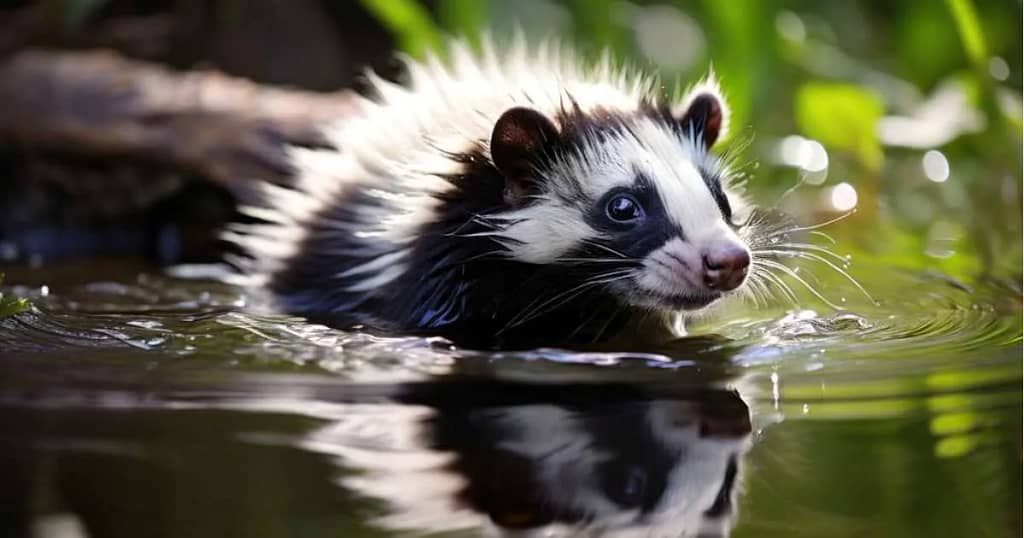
x,y
134,404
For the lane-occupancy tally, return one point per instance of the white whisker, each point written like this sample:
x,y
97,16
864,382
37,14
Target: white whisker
x,y
812,226
815,257
755,290
769,276
805,247
564,297
824,236
605,248
800,183
793,274
620,261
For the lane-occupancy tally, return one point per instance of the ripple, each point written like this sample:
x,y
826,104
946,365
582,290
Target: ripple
x,y
926,324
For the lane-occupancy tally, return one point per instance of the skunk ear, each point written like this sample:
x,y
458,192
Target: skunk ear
x,y
520,136
704,118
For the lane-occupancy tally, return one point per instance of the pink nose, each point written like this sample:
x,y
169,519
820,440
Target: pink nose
x,y
725,265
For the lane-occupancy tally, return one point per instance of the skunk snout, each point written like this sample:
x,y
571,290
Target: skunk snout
x,y
725,265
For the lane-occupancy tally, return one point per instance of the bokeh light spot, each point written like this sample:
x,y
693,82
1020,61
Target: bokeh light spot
x,y
936,166
669,37
843,197
802,153
790,26
998,68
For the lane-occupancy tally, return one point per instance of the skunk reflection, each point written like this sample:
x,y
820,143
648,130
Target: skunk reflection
x,y
603,459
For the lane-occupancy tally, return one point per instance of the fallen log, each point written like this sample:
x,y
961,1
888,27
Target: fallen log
x,y
99,105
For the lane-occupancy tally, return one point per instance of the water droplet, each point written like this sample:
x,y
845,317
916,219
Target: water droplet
x,y
775,389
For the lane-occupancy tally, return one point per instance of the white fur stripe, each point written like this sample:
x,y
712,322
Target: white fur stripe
x,y
378,263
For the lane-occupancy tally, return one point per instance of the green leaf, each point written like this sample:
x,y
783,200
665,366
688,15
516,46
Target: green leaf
x,y
10,306
842,117
739,55
969,28
409,22
956,446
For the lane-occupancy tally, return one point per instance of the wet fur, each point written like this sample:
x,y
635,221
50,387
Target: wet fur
x,y
410,226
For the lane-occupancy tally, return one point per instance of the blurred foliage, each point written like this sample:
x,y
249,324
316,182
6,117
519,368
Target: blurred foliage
x,y
410,22
10,306
832,72
463,17
842,117
970,29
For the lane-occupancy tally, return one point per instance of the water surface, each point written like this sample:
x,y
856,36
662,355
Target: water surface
x,y
135,404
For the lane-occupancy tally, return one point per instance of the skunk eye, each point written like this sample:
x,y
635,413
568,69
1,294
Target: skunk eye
x,y
624,208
